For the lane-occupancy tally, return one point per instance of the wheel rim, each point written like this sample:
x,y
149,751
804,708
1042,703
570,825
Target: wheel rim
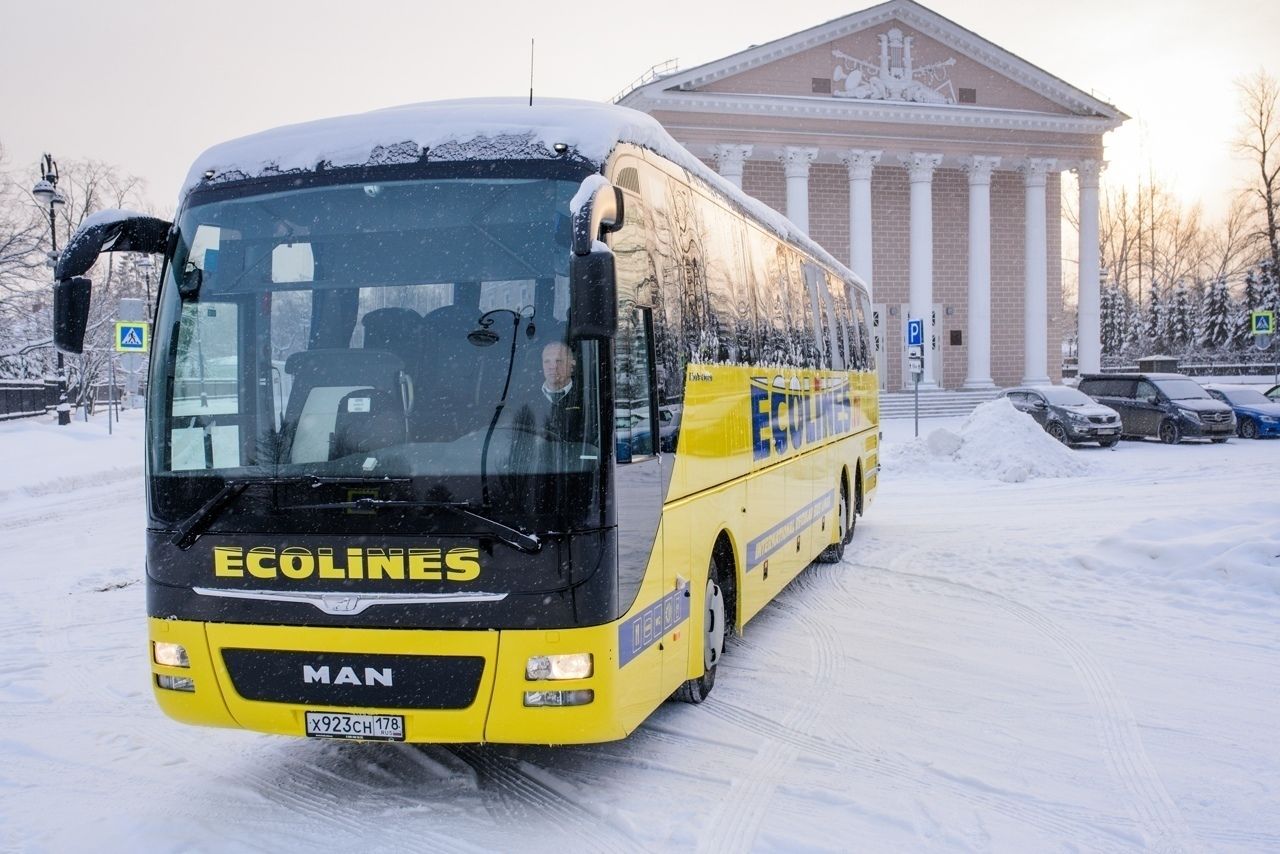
x,y
1248,430
1167,433
713,629
1056,431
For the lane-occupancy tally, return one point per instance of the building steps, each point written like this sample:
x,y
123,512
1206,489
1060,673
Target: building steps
x,y
934,403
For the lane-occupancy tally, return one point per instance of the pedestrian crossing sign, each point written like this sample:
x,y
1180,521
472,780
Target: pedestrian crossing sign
x,y
1262,323
132,336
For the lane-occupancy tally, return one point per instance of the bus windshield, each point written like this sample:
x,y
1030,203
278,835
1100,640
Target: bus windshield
x,y
406,330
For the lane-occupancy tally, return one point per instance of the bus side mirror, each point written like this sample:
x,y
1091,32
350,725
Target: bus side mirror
x,y
71,313
596,210
593,296
111,231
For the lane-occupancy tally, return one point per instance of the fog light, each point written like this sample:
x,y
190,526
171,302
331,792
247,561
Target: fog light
x,y
559,698
578,665
170,654
176,683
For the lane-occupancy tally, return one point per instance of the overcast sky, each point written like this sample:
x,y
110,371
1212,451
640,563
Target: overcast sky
x,y
148,84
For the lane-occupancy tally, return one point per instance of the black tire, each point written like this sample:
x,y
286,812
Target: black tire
x,y
1058,432
1170,432
834,553
1248,428
713,635
854,509
1109,443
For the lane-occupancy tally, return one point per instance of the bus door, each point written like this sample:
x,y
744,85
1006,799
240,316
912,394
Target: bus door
x,y
638,497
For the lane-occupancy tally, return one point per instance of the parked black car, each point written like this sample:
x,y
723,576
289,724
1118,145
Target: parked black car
x,y
1168,406
1067,415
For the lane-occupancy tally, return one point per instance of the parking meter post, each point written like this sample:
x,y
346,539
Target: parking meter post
x,y
916,375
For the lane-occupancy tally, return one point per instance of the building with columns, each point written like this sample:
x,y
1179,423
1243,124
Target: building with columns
x,y
928,158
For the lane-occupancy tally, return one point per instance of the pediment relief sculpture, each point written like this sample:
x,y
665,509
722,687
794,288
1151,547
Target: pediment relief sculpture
x,y
895,77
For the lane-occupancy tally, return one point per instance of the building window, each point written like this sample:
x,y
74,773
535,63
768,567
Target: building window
x,y
968,96
822,85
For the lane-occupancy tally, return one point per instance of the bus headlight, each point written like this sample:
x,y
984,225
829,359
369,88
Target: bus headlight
x,y
559,698
578,665
170,654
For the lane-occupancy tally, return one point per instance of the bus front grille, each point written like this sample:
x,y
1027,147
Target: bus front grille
x,y
355,679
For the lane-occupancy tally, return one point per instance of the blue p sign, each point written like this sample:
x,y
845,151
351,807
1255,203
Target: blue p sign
x,y
915,333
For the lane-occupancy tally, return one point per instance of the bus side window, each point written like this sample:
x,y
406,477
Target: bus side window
x,y
633,401
866,349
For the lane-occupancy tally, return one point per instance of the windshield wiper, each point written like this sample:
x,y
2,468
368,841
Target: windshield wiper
x,y
517,539
198,522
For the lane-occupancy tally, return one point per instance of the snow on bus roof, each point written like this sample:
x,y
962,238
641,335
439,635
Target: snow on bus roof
x,y
474,128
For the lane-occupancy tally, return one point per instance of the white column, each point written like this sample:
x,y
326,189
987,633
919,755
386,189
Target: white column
x,y
860,164
795,162
1088,302
920,167
979,168
1035,370
730,160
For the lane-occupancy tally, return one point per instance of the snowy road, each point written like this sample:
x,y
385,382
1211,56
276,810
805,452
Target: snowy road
x,y
1088,663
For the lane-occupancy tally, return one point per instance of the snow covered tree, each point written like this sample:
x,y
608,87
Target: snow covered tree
x,y
1154,321
1250,299
1109,321
1215,312
1181,319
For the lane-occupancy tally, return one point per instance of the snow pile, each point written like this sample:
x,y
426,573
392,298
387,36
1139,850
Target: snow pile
x,y
1237,549
39,457
996,441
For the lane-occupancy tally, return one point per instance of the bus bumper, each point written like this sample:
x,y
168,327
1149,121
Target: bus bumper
x,y
477,691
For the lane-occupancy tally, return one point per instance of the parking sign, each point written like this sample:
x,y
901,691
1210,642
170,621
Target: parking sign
x,y
915,332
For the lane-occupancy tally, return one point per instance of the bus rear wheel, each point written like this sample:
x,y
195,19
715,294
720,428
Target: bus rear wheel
x,y
713,633
834,553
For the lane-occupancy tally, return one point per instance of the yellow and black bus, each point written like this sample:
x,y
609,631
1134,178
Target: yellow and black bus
x,y
476,421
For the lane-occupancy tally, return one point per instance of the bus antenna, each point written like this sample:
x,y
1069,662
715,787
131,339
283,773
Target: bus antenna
x,y
530,72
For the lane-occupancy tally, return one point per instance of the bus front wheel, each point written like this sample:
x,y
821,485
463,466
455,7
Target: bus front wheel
x,y
713,632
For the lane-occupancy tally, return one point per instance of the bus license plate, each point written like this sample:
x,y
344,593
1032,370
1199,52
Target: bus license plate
x,y
364,727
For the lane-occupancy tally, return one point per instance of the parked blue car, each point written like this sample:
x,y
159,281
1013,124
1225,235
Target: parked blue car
x,y
1257,416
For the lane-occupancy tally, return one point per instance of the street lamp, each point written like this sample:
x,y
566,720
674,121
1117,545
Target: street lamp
x,y
146,265
46,193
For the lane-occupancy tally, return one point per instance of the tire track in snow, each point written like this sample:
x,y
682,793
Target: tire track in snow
x,y
843,745
523,794
1156,814
736,823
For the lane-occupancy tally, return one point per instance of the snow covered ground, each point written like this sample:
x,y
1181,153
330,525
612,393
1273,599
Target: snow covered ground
x,y
1027,649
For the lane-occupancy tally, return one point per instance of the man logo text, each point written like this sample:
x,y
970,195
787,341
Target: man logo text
x,y
346,676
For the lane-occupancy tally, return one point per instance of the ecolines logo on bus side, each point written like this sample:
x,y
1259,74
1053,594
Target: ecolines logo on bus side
x,y
786,416
294,562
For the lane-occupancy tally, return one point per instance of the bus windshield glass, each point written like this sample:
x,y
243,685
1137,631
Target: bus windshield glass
x,y
406,330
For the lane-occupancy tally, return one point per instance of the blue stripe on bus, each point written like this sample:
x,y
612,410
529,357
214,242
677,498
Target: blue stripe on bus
x,y
647,628
782,533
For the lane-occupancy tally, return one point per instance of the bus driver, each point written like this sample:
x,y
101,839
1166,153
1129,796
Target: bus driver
x,y
563,414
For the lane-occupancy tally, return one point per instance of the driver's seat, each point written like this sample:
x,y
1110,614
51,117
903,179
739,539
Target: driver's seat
x,y
362,389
